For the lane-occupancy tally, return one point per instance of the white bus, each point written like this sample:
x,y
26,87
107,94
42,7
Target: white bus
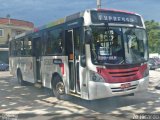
x,y
76,55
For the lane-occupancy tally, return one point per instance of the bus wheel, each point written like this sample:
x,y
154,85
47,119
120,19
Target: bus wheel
x,y
20,78
58,87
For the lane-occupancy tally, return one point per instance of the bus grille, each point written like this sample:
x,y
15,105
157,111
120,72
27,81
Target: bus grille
x,y
123,74
119,89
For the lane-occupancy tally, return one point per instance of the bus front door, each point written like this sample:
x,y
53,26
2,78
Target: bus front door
x,y
37,54
73,59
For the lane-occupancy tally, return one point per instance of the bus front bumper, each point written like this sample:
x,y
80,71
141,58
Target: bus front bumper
x,y
99,90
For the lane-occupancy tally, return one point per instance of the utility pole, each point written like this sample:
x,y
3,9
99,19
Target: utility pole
x,y
98,3
9,19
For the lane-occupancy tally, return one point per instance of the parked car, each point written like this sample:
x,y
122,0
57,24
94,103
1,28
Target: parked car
x,y
157,60
4,66
152,64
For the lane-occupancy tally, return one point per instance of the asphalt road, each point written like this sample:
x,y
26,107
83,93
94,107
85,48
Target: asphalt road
x,y
29,102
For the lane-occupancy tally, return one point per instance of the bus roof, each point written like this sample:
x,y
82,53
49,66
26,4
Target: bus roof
x,y
70,18
60,21
77,15
115,10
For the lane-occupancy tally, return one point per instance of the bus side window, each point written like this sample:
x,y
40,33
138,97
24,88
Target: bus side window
x,y
77,42
54,42
26,47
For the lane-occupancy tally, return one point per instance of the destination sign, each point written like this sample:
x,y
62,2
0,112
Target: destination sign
x,y
115,17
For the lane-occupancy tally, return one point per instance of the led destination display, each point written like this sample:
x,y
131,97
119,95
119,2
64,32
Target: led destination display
x,y
115,17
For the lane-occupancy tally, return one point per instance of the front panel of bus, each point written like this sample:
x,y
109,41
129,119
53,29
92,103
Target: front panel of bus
x,y
116,54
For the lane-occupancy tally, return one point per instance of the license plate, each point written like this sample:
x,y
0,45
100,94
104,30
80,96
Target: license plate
x,y
126,85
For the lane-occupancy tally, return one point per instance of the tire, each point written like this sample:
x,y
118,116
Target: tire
x,y
20,78
7,69
58,87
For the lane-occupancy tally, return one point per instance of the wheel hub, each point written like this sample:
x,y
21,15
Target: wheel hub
x,y
60,88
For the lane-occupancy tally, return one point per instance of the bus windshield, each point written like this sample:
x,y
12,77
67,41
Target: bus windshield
x,y
118,45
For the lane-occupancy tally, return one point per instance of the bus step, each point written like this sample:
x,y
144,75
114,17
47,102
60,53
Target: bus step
x,y
75,94
38,85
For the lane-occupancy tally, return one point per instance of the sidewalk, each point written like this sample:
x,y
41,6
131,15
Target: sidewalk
x,y
154,79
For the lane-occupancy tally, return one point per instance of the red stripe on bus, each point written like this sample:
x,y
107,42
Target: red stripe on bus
x,y
62,68
122,75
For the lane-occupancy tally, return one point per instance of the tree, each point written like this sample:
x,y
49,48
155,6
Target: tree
x,y
153,31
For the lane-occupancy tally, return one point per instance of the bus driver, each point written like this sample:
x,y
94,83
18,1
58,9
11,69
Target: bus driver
x,y
116,47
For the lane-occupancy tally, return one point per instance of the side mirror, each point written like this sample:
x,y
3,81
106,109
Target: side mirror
x,y
83,61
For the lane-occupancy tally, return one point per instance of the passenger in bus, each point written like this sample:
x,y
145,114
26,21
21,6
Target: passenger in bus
x,y
97,47
59,50
116,48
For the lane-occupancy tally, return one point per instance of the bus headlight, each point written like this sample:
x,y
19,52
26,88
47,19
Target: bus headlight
x,y
96,77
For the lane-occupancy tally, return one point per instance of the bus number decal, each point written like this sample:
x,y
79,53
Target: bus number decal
x,y
48,62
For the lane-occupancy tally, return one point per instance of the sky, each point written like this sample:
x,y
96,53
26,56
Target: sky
x,y
41,12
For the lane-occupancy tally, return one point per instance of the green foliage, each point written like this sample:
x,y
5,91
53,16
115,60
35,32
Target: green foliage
x,y
153,31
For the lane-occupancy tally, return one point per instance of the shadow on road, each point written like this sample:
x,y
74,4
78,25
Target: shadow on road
x,y
31,100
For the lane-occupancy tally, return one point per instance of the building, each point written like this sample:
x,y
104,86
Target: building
x,y
8,29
